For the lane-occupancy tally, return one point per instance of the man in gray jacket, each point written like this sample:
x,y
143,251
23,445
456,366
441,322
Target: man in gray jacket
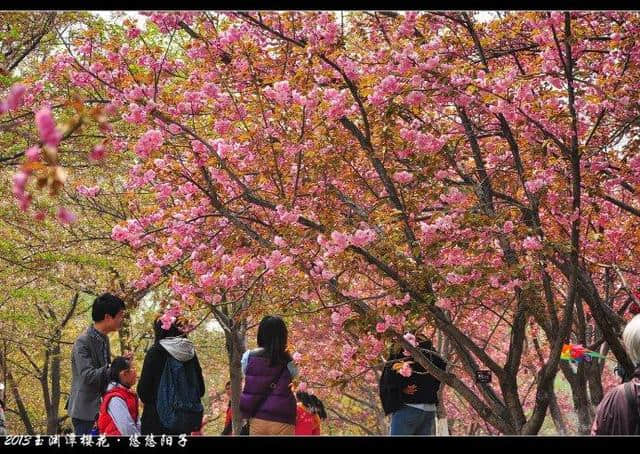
x,y
90,360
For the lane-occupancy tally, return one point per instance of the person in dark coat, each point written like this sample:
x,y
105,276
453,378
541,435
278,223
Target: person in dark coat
x,y
412,400
617,413
167,342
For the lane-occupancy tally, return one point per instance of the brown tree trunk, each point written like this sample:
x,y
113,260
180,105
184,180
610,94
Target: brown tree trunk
x,y
235,342
595,377
124,333
557,416
583,407
382,422
577,382
442,423
22,410
46,395
51,370
53,415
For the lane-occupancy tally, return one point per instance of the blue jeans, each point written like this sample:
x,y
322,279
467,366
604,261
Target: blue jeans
x,y
82,427
412,421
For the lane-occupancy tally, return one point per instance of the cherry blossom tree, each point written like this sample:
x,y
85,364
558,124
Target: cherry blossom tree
x,y
395,173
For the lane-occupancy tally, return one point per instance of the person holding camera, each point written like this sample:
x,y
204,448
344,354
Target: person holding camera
x,y
617,413
411,400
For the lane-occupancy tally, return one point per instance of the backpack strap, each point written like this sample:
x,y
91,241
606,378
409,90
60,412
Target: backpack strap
x,y
269,390
632,403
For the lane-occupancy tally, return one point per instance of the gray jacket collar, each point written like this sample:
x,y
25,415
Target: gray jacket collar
x,y
94,332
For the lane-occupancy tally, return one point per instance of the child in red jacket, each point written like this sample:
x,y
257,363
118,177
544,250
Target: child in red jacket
x,y
309,411
119,408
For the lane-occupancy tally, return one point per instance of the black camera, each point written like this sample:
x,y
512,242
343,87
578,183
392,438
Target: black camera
x,y
622,373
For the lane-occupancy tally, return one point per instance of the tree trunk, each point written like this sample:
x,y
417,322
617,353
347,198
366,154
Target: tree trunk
x,y
22,410
4,369
46,394
594,378
54,415
124,333
607,321
556,415
594,371
581,403
441,423
583,406
235,341
382,422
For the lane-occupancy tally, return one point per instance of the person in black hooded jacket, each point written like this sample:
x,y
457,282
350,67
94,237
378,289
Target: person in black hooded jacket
x,y
167,342
412,400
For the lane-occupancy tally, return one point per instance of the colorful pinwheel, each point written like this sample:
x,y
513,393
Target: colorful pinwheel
x,y
577,353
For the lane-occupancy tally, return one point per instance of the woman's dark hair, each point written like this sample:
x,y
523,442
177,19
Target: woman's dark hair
x,y
160,333
318,407
395,352
106,304
314,404
425,344
303,397
272,337
118,365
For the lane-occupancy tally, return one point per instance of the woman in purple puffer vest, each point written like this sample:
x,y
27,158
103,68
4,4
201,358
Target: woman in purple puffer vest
x,y
267,400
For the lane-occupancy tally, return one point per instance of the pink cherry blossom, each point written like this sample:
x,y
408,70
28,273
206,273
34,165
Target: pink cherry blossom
x,y
288,217
167,320
33,154
362,237
97,153
88,192
389,85
507,227
405,370
15,97
276,259
49,133
381,327
65,216
415,98
411,339
403,177
119,233
150,141
19,181
531,243
535,185
340,241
